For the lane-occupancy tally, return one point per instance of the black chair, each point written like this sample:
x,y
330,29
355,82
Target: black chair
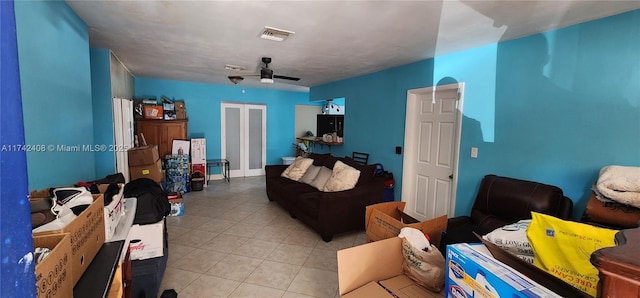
x,y
359,157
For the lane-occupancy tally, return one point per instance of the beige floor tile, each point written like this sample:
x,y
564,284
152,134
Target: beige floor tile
x,y
290,254
302,238
285,222
243,229
174,231
209,286
217,225
205,210
177,279
261,218
273,274
249,290
295,295
234,267
274,234
322,259
187,221
235,215
361,238
253,248
251,207
225,243
248,247
177,251
315,282
339,242
195,238
199,260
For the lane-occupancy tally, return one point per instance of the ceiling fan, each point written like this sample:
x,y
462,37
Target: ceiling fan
x,y
266,74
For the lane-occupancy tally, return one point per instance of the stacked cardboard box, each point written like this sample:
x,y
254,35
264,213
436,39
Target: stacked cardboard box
x,y
181,110
86,236
144,162
53,273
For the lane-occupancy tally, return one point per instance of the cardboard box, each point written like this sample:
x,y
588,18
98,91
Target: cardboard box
x,y
153,112
152,171
473,272
86,235
54,273
361,270
146,241
177,207
384,220
181,110
143,155
538,275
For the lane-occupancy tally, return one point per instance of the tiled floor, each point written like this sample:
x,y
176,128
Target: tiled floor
x,y
233,242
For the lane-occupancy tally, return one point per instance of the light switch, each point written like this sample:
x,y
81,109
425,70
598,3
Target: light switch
x,y
474,152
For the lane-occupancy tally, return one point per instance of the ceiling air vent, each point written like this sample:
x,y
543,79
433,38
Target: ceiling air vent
x,y
234,67
275,34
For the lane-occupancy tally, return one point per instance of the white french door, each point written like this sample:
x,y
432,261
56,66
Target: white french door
x,y
123,133
432,138
244,138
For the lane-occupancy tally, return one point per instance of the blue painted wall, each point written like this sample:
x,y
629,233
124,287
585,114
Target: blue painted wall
x,y
17,277
203,110
375,112
102,110
53,50
552,107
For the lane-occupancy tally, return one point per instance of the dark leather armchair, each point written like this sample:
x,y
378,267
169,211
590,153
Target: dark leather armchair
x,y
501,201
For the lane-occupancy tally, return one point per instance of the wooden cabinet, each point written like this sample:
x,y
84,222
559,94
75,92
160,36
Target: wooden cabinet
x,y
162,133
619,266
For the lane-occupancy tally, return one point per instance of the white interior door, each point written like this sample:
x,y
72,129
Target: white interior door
x,y
244,138
432,137
123,133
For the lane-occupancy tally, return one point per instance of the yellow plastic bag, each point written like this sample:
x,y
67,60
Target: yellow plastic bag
x,y
563,248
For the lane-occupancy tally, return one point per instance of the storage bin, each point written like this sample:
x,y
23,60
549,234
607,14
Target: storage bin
x,y
288,160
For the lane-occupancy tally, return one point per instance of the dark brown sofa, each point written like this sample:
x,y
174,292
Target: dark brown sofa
x,y
501,201
328,213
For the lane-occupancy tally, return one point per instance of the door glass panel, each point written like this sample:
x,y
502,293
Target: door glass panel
x,y
232,132
255,139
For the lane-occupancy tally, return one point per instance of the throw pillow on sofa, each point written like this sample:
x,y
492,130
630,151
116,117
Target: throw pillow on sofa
x,y
344,177
297,168
310,174
321,179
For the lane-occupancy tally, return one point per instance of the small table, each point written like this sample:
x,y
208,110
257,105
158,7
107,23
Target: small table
x,y
223,163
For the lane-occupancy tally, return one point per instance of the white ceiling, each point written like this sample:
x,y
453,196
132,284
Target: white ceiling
x,y
333,40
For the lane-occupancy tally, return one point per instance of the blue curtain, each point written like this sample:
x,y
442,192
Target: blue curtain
x,y
17,275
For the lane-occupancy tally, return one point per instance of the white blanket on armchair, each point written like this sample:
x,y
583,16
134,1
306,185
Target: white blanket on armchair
x,y
621,184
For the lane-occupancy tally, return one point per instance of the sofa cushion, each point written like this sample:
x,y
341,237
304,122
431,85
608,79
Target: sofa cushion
x,y
310,174
321,179
344,177
367,172
297,168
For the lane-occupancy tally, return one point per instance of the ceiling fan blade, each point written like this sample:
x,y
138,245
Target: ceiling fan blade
x,y
286,78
